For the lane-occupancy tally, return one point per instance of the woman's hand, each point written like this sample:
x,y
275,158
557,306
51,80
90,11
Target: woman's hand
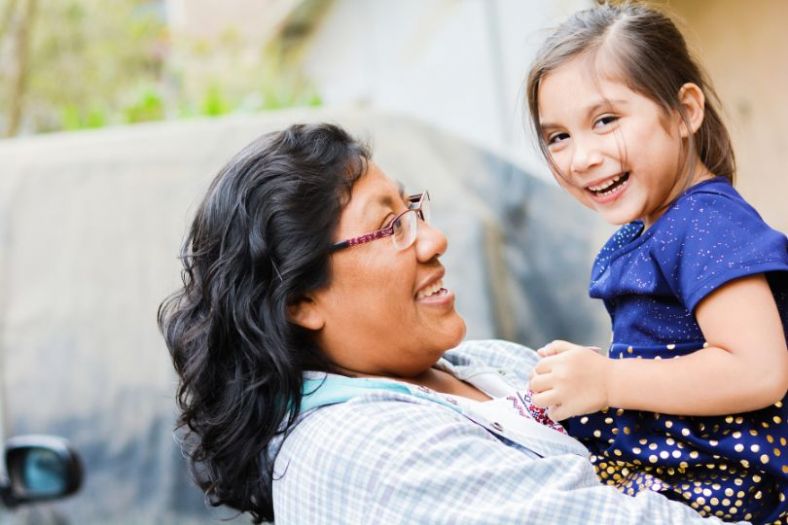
x,y
570,380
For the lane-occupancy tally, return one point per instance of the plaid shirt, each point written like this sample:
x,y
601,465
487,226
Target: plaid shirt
x,y
402,455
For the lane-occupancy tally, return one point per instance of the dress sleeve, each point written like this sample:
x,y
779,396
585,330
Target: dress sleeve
x,y
397,462
713,239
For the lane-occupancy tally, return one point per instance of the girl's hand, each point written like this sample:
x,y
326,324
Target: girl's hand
x,y
570,380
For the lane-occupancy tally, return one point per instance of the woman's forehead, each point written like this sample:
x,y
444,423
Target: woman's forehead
x,y
372,196
375,188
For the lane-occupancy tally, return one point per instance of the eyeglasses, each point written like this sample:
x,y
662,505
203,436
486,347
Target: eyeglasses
x,y
402,229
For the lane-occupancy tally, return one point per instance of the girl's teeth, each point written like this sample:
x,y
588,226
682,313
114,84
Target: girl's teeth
x,y
605,185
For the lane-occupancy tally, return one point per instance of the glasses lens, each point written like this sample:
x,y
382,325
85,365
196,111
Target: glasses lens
x,y
405,230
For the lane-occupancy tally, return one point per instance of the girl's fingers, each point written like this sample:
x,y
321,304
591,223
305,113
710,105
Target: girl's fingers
x,y
555,347
544,399
558,413
543,352
539,383
550,348
541,367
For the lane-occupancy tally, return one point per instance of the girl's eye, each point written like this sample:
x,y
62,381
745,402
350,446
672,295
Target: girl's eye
x,y
605,120
555,138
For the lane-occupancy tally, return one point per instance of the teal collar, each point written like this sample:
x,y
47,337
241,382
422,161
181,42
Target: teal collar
x,y
321,390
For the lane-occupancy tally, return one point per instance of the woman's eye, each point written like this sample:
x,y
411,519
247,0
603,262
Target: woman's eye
x,y
555,138
397,224
387,221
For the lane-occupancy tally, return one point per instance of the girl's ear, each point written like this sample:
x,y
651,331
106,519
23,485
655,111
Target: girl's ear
x,y
693,102
306,313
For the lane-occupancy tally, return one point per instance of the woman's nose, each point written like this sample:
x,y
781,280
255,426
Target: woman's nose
x,y
430,242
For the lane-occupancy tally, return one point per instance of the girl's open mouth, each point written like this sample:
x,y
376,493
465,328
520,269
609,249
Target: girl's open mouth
x,y
609,187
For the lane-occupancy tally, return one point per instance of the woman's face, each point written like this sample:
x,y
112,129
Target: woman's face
x,y
382,313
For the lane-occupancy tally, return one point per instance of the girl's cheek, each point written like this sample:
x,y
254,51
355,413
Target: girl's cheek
x,y
560,169
562,180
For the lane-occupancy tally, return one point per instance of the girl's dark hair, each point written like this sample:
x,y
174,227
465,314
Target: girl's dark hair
x,y
260,240
652,58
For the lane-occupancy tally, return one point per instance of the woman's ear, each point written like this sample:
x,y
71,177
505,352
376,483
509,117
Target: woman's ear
x,y
693,103
305,313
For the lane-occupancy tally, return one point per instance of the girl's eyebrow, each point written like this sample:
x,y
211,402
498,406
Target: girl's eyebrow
x,y
594,107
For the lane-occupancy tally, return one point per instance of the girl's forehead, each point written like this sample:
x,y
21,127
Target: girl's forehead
x,y
595,67
587,80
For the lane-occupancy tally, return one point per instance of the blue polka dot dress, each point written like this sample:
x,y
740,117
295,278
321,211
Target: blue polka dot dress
x,y
734,467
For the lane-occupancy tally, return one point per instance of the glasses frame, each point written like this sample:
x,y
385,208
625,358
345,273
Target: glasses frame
x,y
415,203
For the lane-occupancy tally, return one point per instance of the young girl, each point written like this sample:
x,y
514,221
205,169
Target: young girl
x,y
690,400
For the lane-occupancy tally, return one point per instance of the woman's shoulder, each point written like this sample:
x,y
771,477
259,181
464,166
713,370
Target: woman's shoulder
x,y
485,354
365,430
330,462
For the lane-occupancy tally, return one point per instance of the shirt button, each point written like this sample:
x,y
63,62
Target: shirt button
x,y
497,426
501,372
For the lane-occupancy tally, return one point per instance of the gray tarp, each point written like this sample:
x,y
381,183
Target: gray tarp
x,y
90,227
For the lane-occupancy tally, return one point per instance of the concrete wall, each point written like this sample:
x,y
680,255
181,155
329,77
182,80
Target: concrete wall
x,y
744,48
457,64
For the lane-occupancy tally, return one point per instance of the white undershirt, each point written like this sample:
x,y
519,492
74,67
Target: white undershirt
x,y
508,412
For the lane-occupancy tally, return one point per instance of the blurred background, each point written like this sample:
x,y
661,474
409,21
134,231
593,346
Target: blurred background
x,y
117,113
456,64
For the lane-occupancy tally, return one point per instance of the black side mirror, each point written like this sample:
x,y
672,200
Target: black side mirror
x,y
40,468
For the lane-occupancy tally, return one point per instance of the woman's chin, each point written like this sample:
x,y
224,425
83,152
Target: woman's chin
x,y
455,331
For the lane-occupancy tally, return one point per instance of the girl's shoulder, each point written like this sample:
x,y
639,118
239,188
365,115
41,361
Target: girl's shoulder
x,y
708,237
710,210
714,197
713,214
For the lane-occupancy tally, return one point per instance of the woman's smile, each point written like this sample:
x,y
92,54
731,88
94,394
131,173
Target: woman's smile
x,y
433,292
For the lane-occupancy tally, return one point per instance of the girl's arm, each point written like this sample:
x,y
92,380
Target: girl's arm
x,y
743,368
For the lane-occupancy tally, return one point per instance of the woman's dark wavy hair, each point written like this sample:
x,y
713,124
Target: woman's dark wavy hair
x,y
652,58
260,240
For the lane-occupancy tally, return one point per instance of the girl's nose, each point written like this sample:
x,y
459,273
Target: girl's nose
x,y
430,242
585,155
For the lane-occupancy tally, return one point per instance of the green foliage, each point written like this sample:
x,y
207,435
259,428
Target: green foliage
x,y
278,97
214,103
73,117
86,58
148,106
94,63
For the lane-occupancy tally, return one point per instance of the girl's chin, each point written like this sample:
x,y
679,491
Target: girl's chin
x,y
617,216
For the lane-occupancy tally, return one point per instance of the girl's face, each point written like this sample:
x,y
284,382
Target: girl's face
x,y
614,150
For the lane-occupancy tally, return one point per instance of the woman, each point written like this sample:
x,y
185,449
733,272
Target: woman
x,y
312,341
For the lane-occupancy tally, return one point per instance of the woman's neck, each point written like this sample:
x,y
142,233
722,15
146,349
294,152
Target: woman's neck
x,y
432,378
446,383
